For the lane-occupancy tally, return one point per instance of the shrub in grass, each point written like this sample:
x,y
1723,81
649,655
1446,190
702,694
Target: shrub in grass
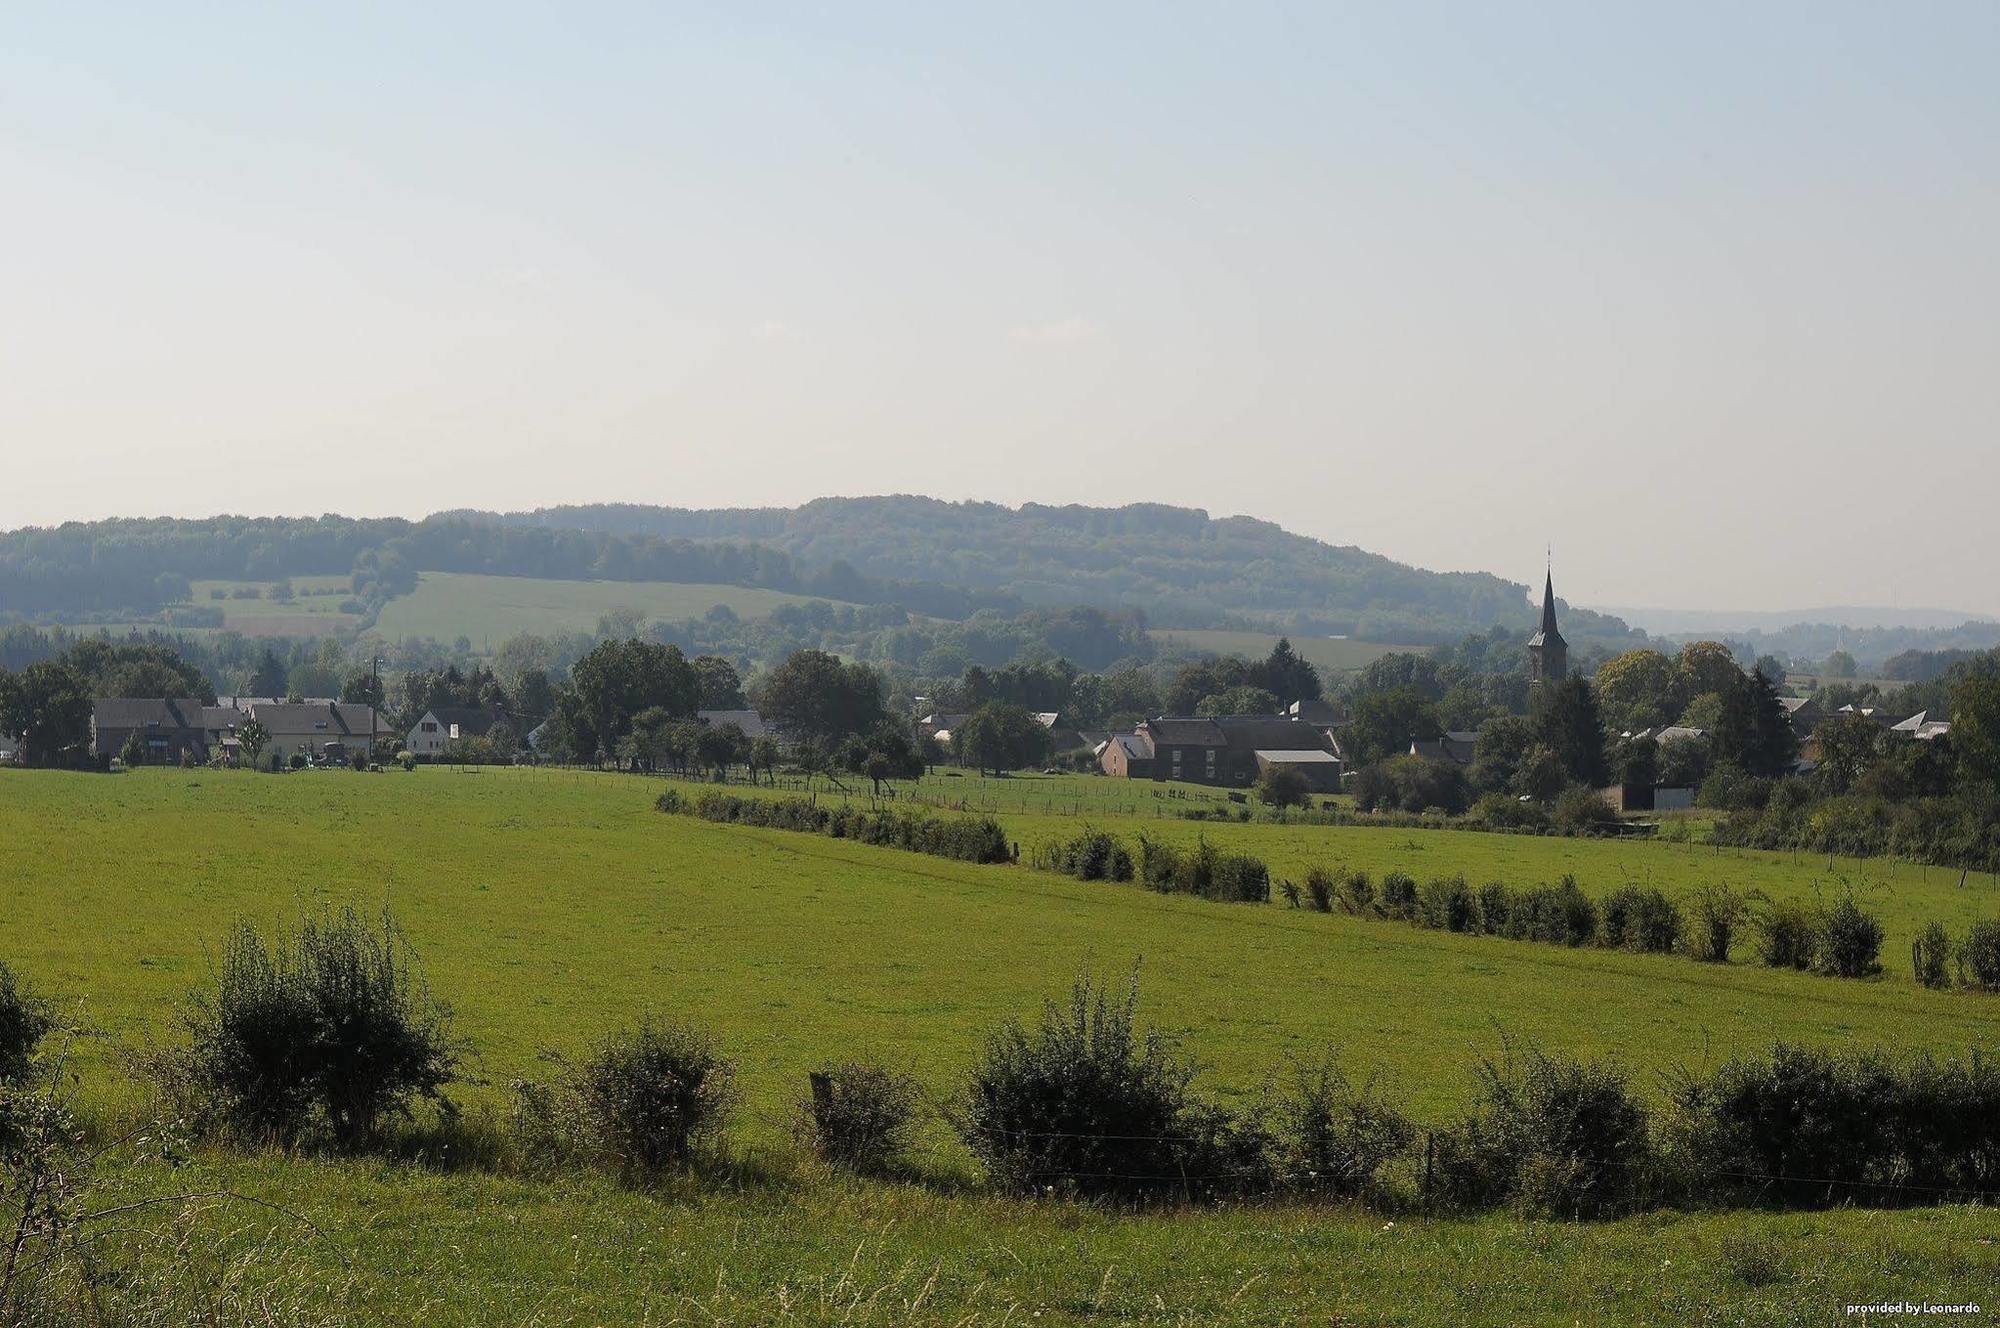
x,y
1496,902
1801,1125
24,1021
1320,886
1092,855
1786,935
670,802
649,1100
1290,890
326,1030
1639,919
1714,916
1849,941
1558,914
1448,905
1979,955
1357,893
1503,811
1086,1105
1945,1132
1332,1138
1239,879
1550,1135
1398,898
859,1116
1159,865
1931,956
1579,810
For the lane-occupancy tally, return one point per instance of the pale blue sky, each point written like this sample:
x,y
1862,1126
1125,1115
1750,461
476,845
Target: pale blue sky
x,y
1703,293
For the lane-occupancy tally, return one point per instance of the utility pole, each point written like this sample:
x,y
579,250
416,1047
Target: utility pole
x,y
375,707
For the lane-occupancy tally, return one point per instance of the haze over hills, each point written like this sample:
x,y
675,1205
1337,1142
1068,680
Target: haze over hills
x,y
1673,622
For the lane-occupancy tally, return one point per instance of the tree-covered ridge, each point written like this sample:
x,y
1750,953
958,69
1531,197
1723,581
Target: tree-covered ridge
x,y
138,565
1182,566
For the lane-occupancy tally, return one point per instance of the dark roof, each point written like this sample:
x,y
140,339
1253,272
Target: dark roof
x,y
472,721
749,721
1270,733
129,712
332,720
1135,745
1549,635
1184,731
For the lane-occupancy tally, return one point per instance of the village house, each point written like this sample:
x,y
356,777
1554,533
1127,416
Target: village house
x,y
1221,749
432,734
167,729
326,731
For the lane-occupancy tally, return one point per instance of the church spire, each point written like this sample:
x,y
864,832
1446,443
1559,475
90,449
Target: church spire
x,y
1548,653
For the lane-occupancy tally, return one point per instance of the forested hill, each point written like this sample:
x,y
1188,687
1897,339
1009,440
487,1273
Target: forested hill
x,y
1182,566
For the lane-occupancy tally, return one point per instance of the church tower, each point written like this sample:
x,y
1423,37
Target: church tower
x,y
1548,653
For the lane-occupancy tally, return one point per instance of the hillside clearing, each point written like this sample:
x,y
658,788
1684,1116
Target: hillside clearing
x,y
488,609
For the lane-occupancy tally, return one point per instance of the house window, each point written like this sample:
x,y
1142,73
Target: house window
x,y
430,726
1177,763
1210,754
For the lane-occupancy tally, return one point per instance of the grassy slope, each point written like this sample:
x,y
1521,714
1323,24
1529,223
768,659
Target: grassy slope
x,y
488,609
550,906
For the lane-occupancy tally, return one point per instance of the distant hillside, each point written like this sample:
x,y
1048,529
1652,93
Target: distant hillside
x,y
1677,622
1181,566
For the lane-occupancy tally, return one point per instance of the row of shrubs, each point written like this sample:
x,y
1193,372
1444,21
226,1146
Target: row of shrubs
x,y
1958,831
1204,870
1841,940
324,1036
964,838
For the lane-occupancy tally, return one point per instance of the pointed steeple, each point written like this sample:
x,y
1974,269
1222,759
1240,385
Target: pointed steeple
x,y
1548,653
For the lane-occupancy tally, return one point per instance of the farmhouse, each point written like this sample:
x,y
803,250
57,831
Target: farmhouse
x,y
166,729
327,731
1220,749
432,734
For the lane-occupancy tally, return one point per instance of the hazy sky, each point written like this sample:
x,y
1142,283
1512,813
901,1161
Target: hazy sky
x,y
1705,294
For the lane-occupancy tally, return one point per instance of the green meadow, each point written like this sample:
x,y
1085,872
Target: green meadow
x,y
548,907
1330,655
488,609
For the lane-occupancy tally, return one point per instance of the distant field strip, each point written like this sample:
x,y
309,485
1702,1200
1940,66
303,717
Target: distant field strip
x,y
489,609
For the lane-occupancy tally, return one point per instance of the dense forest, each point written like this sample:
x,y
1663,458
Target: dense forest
x,y
1181,566
1178,566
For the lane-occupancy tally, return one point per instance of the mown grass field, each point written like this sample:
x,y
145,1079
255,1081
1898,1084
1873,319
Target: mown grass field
x,y
1326,654
550,906
489,609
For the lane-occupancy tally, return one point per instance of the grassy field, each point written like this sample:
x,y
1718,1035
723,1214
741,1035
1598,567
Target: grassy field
x,y
551,906
314,609
1328,655
489,609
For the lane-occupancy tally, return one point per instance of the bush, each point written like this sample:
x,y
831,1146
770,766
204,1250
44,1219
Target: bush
x,y
1399,897
406,760
859,1117
1642,920
1203,870
1979,955
1448,905
1290,890
1090,856
644,1102
961,838
1320,886
1552,1136
1084,1105
1931,956
1503,811
1557,914
329,1030
1357,893
1786,935
24,1021
1333,1139
1850,941
1496,902
1580,810
1716,914
1802,1125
